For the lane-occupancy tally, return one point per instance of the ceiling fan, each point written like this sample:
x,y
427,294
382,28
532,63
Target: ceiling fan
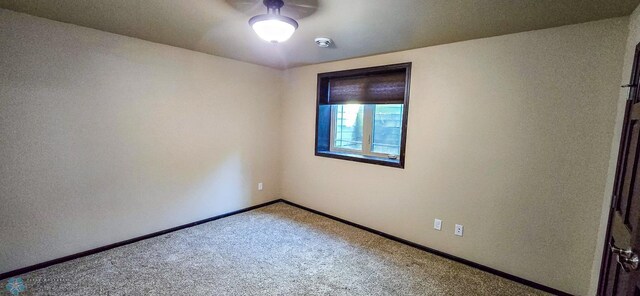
x,y
274,26
297,9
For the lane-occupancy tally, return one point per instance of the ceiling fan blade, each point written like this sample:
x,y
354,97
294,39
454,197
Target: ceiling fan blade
x,y
297,9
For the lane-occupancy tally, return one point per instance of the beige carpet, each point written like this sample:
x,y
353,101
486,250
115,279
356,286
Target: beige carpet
x,y
275,250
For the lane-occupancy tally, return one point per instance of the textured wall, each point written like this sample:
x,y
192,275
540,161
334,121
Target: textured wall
x,y
105,137
509,136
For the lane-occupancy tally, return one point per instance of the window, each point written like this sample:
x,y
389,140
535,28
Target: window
x,y
362,114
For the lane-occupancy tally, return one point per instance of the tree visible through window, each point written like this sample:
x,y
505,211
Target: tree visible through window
x,y
348,127
387,129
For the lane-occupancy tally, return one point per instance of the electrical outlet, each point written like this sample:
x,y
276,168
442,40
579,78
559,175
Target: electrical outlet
x,y
260,186
437,224
458,230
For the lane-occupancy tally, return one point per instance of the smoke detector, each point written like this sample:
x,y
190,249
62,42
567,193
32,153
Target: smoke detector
x,y
323,42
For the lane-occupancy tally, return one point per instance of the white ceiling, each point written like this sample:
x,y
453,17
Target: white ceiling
x,y
358,27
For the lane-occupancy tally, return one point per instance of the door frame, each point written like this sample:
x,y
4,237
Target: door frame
x,y
631,99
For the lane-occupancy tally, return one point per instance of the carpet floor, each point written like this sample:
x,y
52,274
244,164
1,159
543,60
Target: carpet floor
x,y
274,250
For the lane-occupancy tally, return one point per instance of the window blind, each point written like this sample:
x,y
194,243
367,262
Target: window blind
x,y
374,88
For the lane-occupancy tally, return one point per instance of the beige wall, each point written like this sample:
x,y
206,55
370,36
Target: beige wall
x,y
105,138
632,40
509,136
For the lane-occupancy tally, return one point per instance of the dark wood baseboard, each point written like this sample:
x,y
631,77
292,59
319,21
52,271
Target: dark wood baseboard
x,y
126,242
436,252
380,233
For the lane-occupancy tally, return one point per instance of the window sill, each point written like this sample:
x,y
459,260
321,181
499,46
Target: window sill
x,y
397,163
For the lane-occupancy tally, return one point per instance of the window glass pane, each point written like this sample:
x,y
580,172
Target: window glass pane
x,y
348,133
387,128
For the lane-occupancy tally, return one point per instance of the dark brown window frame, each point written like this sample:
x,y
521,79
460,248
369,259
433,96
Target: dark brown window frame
x,y
323,78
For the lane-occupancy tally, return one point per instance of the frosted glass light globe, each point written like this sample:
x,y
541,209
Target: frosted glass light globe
x,y
273,28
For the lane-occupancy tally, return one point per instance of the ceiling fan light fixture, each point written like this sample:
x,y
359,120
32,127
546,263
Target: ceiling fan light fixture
x,y
272,26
